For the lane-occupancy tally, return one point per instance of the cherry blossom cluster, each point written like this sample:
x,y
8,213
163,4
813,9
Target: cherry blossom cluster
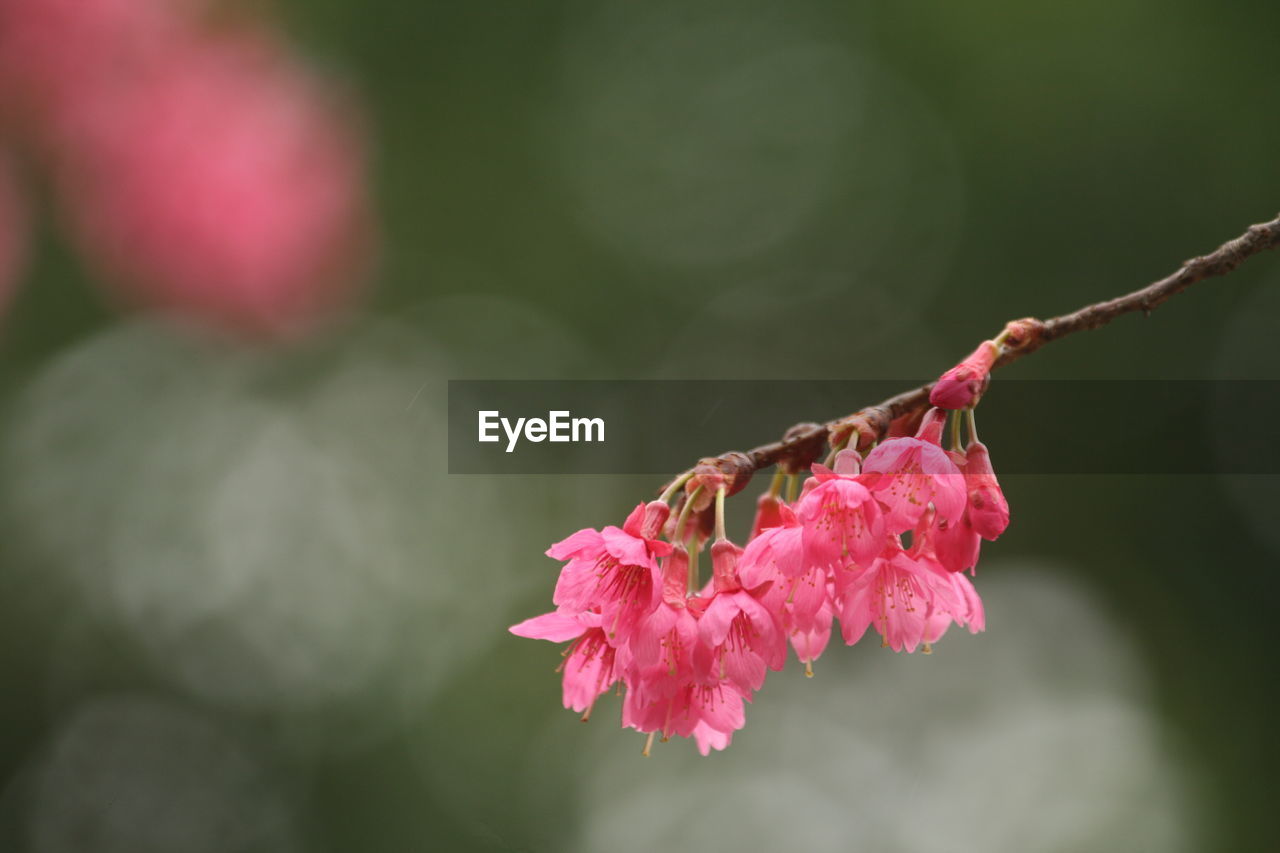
x,y
878,540
202,169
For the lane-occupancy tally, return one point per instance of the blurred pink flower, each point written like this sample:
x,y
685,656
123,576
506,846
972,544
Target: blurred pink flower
x,y
52,52
222,181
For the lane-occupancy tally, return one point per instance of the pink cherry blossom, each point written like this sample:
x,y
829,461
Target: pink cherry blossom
x,y
797,593
590,663
803,608
841,520
613,571
780,548
908,598
907,474
709,713
663,643
740,637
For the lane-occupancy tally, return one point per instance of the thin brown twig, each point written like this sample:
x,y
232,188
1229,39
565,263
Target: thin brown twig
x,y
804,443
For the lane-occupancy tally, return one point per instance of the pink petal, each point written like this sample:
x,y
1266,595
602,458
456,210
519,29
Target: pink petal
x,y
587,539
554,626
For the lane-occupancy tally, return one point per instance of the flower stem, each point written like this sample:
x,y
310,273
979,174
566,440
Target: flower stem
x,y
720,494
678,533
793,487
695,579
836,448
675,486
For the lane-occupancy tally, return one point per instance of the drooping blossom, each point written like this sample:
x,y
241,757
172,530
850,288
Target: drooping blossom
x,y
662,645
613,571
691,655
794,590
841,519
907,597
223,182
590,663
961,386
911,473
669,690
708,713
740,636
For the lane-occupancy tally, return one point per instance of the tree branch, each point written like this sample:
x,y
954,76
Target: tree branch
x,y
804,443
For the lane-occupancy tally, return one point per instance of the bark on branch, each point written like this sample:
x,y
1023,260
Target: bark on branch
x,y
806,442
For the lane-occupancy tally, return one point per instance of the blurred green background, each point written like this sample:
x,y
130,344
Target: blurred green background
x,y
246,608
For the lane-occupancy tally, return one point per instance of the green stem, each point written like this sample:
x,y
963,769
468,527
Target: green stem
x,y
675,486
836,448
720,495
695,580
684,514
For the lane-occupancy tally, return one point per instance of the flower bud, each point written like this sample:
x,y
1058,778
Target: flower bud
x,y
931,426
724,565
768,514
961,386
675,576
988,510
656,514
848,463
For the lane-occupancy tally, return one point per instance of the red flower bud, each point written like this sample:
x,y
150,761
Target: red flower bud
x,y
961,386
